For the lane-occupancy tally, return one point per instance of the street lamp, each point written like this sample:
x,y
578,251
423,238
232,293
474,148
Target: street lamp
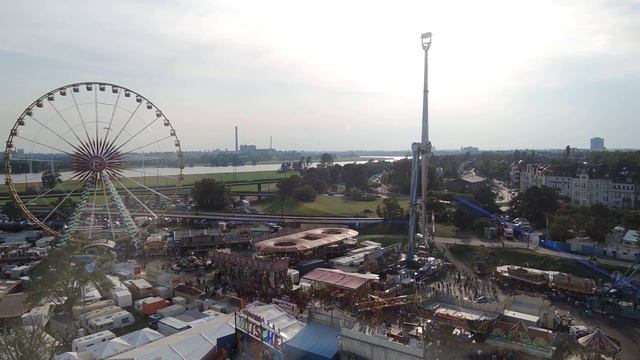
x,y
425,143
426,40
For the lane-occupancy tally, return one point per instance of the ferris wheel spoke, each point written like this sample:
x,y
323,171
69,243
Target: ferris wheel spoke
x,y
115,107
45,193
106,202
45,145
138,200
65,121
146,187
61,202
126,123
144,146
95,91
136,134
53,132
84,126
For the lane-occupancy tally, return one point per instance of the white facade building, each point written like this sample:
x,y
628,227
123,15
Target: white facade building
x,y
589,186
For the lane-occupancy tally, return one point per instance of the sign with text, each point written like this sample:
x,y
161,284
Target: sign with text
x,y
258,331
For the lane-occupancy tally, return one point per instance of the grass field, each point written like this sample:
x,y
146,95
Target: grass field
x,y
323,206
522,257
450,230
152,181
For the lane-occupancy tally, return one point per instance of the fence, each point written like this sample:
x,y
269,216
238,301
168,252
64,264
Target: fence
x,y
555,245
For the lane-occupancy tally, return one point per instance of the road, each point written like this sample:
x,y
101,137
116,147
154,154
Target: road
x,y
258,217
523,245
503,197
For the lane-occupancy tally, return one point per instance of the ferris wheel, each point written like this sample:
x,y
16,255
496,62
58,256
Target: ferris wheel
x,y
90,155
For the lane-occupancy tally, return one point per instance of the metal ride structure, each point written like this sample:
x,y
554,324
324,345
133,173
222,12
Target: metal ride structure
x,y
96,133
420,152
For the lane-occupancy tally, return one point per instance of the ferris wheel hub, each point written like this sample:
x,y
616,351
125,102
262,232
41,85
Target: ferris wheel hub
x,y
97,164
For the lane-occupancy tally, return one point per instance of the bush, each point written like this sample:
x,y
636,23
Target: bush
x,y
304,193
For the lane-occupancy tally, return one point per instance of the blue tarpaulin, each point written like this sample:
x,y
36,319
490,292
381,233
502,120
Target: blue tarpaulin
x,y
314,342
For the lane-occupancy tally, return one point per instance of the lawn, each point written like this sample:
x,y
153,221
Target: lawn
x,y
188,180
522,257
324,205
450,230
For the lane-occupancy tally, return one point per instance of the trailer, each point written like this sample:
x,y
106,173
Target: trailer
x,y
83,309
83,343
113,321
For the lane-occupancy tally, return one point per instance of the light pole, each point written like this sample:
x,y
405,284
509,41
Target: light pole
x,y
425,143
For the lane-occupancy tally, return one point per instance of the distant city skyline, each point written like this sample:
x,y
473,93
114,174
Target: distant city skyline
x,y
342,76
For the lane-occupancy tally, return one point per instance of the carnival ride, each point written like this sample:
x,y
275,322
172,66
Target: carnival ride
x,y
96,137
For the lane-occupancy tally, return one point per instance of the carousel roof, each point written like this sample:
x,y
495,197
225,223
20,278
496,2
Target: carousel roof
x,y
599,342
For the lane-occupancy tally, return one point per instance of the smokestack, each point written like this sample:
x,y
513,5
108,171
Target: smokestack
x,y
236,138
270,142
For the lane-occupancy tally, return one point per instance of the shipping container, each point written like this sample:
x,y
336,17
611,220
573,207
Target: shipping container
x,y
152,305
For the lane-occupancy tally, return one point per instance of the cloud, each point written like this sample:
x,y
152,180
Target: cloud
x,y
279,67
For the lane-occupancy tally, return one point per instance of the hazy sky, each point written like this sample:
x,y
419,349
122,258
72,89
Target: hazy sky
x,y
343,75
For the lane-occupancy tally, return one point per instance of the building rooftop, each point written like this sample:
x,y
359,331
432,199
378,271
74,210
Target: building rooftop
x,y
13,305
351,281
194,343
274,315
451,311
305,240
631,237
7,286
189,290
522,316
473,178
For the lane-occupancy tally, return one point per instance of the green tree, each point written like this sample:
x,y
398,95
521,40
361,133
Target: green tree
x,y
486,198
356,176
27,343
210,195
561,227
11,209
535,204
463,218
304,193
601,222
390,209
59,278
50,179
286,186
319,186
326,160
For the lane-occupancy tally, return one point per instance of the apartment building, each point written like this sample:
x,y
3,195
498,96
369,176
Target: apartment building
x,y
590,184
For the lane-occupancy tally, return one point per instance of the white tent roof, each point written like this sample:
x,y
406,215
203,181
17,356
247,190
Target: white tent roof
x,y
69,355
141,337
192,343
109,348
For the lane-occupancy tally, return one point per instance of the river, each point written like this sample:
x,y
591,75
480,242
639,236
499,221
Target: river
x,y
170,171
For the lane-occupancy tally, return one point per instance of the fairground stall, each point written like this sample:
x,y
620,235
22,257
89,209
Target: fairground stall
x,y
252,276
